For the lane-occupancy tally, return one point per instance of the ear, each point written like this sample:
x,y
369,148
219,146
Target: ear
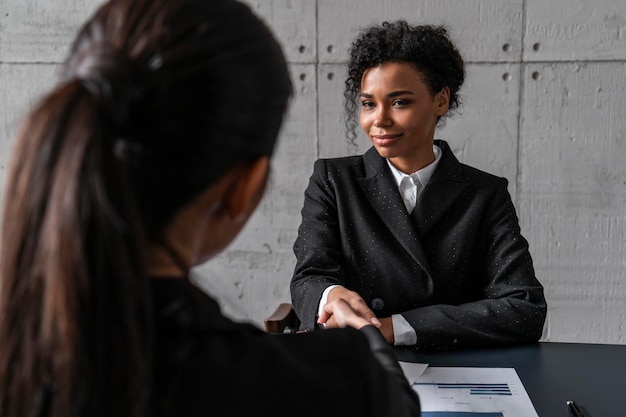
x,y
442,101
248,189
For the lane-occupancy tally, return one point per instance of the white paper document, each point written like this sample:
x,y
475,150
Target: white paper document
x,y
470,392
412,371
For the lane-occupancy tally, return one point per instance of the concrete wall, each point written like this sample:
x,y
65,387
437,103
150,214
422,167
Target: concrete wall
x,y
543,106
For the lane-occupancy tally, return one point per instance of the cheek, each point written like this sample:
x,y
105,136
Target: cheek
x,y
419,121
364,121
416,124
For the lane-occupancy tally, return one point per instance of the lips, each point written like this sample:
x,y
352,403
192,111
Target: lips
x,y
387,139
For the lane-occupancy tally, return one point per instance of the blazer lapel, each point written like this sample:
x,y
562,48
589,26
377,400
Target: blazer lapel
x,y
383,195
444,187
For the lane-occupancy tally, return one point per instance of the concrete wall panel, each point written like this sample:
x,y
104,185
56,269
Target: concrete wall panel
x,y
294,23
40,30
485,30
573,193
26,83
573,129
484,132
561,30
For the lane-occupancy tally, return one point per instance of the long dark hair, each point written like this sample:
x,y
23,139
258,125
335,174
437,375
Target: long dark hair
x,y
158,99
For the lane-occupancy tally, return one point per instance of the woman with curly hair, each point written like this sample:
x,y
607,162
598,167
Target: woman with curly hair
x,y
146,159
428,248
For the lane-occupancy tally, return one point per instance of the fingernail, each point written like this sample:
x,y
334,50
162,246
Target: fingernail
x,y
376,322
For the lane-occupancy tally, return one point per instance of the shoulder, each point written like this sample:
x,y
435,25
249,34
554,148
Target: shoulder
x,y
337,166
472,174
454,169
357,166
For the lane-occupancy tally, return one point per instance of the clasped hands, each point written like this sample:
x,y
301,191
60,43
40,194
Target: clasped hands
x,y
347,308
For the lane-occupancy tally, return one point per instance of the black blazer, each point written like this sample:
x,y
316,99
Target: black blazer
x,y
207,365
457,268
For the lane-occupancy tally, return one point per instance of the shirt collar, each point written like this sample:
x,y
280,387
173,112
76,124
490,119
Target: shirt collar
x,y
423,175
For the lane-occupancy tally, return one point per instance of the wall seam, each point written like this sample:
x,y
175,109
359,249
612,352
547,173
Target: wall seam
x,y
317,71
520,98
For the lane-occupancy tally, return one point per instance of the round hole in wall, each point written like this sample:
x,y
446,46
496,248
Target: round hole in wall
x,y
302,77
536,46
536,75
302,49
330,76
506,47
330,49
506,76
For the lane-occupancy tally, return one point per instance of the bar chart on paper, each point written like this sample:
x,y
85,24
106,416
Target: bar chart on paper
x,y
472,392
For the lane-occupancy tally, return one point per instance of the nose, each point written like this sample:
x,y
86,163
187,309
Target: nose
x,y
381,118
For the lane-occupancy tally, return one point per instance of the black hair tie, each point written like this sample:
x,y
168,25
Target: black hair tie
x,y
117,83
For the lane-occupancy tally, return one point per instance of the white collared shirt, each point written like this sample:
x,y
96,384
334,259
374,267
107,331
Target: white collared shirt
x,y
409,185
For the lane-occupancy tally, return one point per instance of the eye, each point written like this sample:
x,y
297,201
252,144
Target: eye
x,y
400,102
367,104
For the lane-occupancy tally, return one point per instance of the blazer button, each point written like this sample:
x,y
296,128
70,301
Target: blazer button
x,y
378,304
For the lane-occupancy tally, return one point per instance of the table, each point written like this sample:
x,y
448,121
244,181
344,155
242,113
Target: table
x,y
593,375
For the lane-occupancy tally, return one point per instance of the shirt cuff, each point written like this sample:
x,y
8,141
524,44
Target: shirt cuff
x,y
324,299
403,333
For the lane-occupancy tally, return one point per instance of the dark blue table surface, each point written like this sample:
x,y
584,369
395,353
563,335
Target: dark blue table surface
x,y
593,375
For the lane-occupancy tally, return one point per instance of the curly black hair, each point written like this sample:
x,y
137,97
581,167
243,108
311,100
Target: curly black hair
x,y
428,48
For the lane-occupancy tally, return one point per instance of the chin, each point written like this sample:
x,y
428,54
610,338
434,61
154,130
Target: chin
x,y
384,152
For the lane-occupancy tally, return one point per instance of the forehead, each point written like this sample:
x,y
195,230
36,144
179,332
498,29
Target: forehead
x,y
390,76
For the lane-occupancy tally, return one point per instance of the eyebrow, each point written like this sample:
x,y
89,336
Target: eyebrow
x,y
390,95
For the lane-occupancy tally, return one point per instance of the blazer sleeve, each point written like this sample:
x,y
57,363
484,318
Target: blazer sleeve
x,y
317,248
206,364
512,308
338,372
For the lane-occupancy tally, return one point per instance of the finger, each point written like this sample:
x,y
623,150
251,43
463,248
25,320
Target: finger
x,y
360,306
334,313
331,323
356,302
323,318
374,320
328,319
343,315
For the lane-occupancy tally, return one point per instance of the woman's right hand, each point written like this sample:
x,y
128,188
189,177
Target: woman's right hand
x,y
344,307
341,315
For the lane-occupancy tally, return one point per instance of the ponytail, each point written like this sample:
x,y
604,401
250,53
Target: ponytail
x,y
74,299
149,117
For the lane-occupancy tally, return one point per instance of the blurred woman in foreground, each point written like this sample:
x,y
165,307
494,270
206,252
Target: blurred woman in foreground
x,y
145,160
